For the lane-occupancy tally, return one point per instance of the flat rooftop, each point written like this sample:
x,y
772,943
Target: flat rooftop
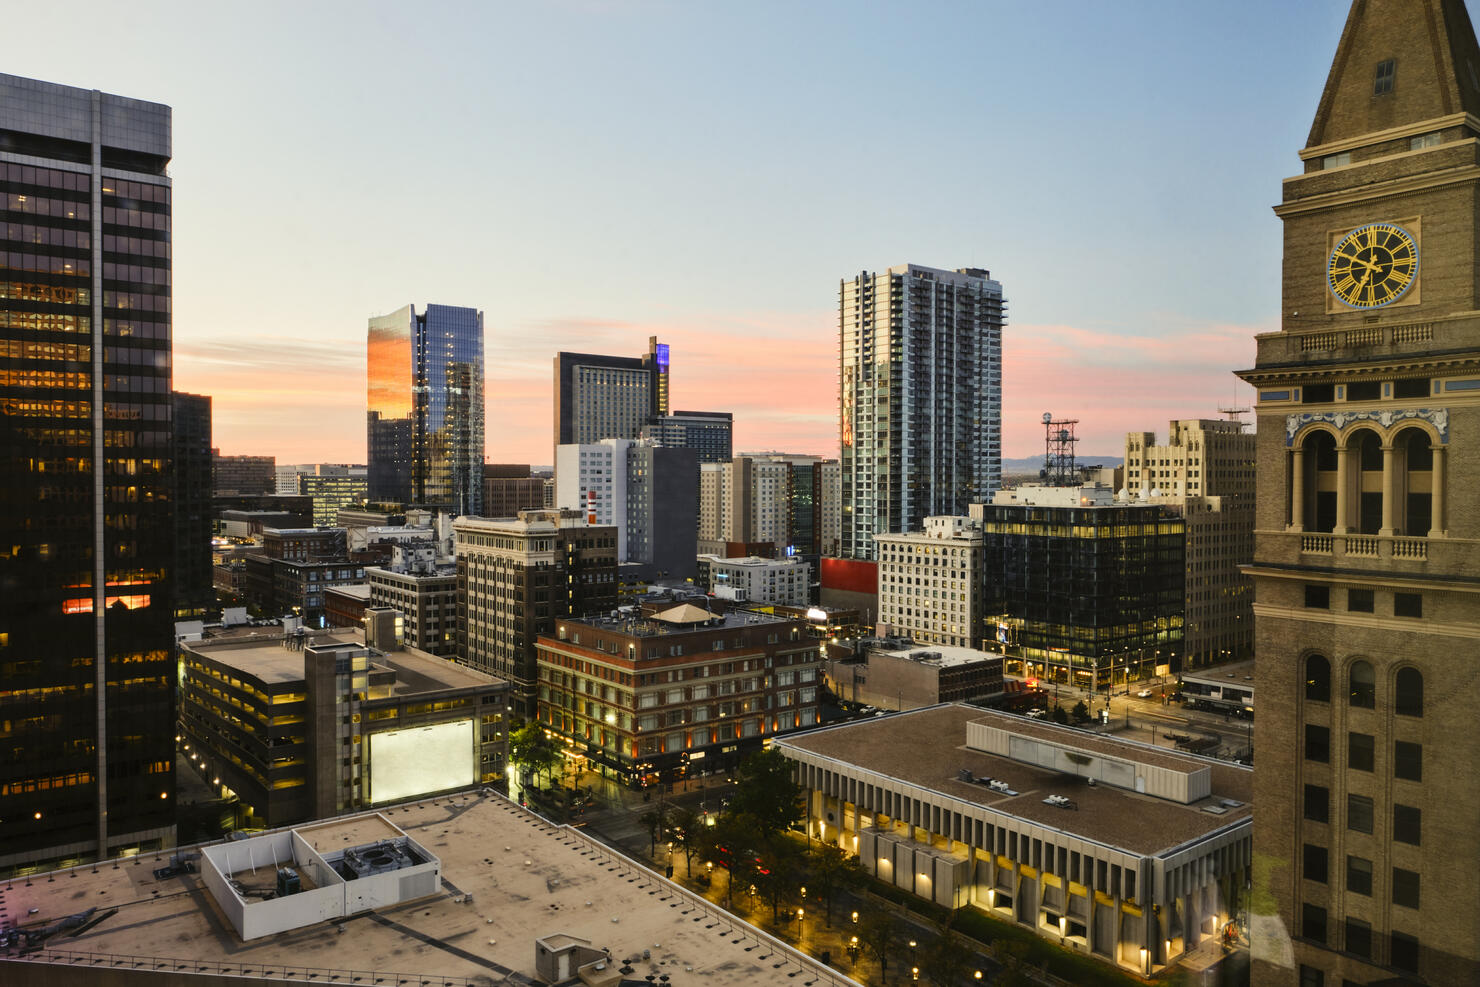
x,y
945,656
927,747
1239,673
259,651
508,877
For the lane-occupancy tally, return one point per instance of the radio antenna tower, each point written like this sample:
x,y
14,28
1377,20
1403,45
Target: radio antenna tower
x,y
1058,458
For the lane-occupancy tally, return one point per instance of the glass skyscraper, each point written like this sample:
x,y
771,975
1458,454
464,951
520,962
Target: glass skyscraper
x,y
86,516
425,401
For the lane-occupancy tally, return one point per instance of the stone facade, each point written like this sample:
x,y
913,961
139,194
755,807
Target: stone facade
x,y
1367,579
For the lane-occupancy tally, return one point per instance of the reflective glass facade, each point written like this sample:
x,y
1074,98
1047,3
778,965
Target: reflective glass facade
x,y
86,515
1090,596
425,408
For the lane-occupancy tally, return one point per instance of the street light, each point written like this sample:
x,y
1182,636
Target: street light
x,y
800,913
853,950
855,918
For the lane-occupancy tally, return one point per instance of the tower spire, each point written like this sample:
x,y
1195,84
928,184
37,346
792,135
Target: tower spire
x,y
1399,63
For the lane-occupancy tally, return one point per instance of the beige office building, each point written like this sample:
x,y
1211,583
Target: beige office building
x,y
1205,474
930,582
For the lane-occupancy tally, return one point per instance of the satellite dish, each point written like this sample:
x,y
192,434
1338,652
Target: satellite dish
x,y
1047,417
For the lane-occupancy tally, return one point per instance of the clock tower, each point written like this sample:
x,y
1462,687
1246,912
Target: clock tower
x,y
1367,543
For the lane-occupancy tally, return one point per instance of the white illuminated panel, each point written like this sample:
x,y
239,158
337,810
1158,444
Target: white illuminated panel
x,y
407,763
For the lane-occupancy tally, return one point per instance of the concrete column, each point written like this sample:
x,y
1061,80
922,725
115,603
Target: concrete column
x,y
1343,496
1297,489
1389,490
1436,498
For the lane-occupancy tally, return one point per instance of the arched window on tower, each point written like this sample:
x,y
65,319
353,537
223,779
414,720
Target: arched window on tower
x,y
1318,679
1409,692
1363,685
1320,478
1366,452
1417,459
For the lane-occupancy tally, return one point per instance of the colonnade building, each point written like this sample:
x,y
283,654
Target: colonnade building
x,y
1129,853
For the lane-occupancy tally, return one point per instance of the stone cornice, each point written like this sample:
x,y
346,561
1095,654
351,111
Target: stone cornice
x,y
1394,133
1379,190
1366,621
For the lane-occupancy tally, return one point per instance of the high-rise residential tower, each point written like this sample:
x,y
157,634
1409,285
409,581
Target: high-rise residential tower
x,y
921,398
86,522
1367,590
425,398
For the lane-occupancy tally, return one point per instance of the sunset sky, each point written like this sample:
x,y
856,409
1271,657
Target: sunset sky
x,y
592,172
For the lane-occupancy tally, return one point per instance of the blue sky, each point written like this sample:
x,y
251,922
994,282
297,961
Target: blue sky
x,y
589,173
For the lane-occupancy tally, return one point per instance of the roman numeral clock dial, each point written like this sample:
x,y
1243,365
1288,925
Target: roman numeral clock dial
x,y
1373,265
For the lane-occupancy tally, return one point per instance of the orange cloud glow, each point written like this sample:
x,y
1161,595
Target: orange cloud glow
x,y
776,372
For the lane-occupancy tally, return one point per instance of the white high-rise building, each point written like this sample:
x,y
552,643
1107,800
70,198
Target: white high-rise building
x,y
921,398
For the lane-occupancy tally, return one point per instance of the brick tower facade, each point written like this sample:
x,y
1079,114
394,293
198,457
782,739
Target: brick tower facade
x,y
1366,561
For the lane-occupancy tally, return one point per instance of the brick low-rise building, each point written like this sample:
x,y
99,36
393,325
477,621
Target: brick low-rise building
x,y
653,696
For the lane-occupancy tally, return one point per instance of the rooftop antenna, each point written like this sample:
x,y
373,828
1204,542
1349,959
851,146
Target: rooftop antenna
x,y
1058,459
1234,414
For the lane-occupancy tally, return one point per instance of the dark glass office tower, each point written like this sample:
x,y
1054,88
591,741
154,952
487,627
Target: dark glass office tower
x,y
194,506
425,408
86,520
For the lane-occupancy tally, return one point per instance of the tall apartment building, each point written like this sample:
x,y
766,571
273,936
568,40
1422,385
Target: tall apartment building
x,y
921,398
1367,594
828,508
243,474
195,591
649,695
708,433
87,533
516,577
646,492
425,400
509,488
745,505
1077,588
1205,473
930,582
609,397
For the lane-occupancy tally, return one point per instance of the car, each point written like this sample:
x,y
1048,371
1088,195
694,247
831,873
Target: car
x,y
1144,694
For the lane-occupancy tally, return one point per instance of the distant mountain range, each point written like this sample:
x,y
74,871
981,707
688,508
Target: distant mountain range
x,y
1035,463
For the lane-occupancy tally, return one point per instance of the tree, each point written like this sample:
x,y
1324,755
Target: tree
x,y
532,751
737,843
1058,715
946,959
832,870
766,789
685,829
878,936
1080,712
656,822
778,872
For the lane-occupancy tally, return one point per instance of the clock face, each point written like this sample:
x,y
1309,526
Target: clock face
x,y
1373,265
